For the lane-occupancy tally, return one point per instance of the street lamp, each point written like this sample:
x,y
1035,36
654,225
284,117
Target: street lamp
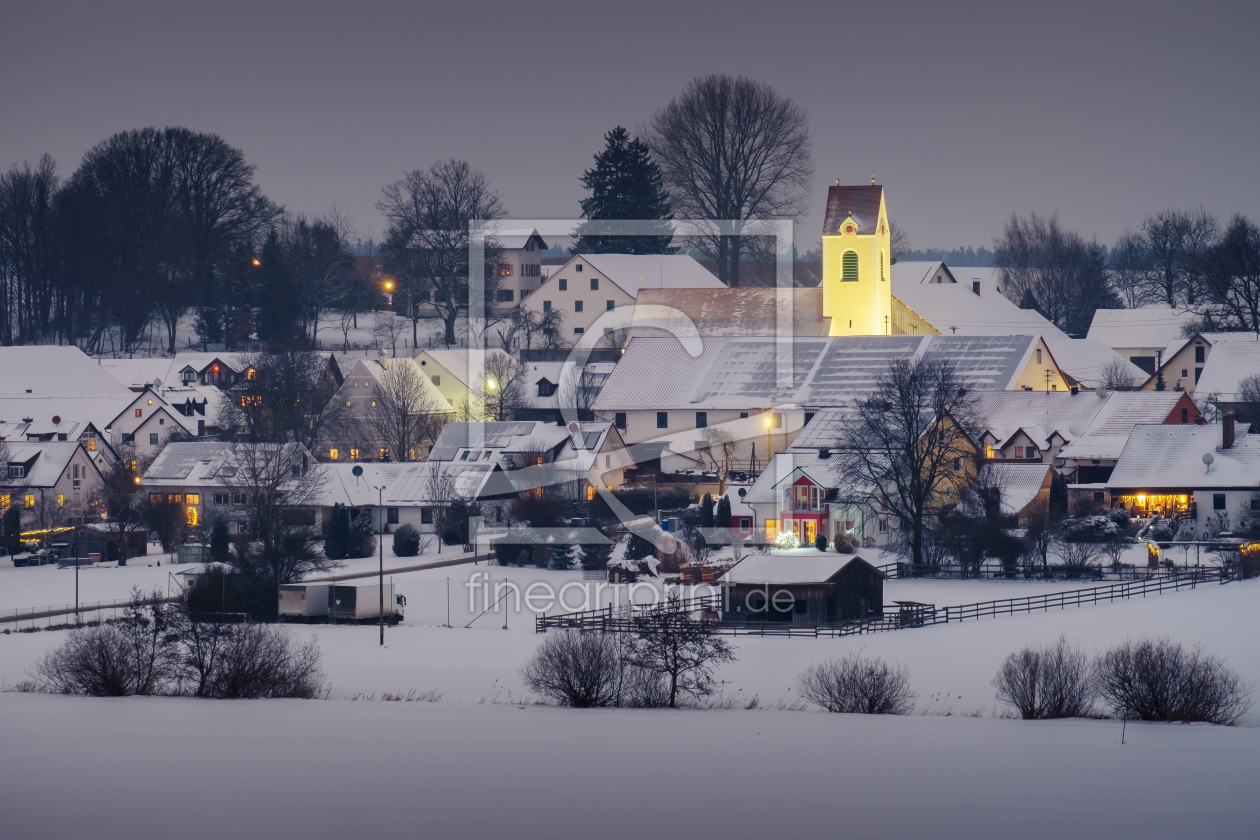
x,y
380,544
255,262
769,421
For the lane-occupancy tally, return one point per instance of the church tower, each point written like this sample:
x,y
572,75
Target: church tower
x,y
856,263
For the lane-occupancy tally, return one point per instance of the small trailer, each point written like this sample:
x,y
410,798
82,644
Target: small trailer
x,y
305,601
323,602
362,603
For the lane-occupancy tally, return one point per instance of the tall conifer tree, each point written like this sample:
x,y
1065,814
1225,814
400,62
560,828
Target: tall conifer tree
x,y
624,184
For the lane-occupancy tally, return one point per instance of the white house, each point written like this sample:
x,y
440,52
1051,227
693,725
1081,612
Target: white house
x,y
1142,334
54,482
588,285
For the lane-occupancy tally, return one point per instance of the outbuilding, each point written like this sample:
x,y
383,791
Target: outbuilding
x,y
821,589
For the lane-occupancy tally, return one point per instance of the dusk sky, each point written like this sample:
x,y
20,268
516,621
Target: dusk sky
x,y
966,111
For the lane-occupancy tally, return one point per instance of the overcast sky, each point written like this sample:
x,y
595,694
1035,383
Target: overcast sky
x,y
967,112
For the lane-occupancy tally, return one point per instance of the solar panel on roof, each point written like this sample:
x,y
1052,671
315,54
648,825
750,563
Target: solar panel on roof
x,y
749,368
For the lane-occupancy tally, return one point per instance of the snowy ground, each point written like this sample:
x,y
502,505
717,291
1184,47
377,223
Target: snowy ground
x,y
475,765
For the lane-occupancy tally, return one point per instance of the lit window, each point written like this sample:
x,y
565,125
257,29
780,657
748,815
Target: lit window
x,y
988,452
347,403
91,442
61,500
354,454
150,402
384,452
29,500
590,494
139,412
332,454
5,501
194,498
505,270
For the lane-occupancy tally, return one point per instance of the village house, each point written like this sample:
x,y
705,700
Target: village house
x,y
1141,335
357,437
55,483
1207,477
589,285
809,590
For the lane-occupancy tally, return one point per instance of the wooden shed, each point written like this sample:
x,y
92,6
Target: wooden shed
x,y
821,589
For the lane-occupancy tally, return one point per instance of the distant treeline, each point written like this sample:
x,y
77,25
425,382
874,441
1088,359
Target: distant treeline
x,y
961,257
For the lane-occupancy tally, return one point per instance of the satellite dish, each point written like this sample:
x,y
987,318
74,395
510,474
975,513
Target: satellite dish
x,y
157,383
56,419
1208,458
743,491
357,471
574,428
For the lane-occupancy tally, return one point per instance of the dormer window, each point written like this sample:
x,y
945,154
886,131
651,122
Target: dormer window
x,y
546,388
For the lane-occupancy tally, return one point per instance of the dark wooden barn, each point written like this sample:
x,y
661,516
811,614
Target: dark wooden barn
x,y
821,589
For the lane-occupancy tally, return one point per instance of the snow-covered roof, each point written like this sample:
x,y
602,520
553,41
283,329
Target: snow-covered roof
x,y
1121,412
784,468
49,461
376,368
955,309
137,373
516,238
763,568
1229,362
199,361
415,484
42,370
341,486
527,436
1171,458
1039,414
1019,483
741,311
663,271
1148,327
1091,362
742,372
20,430
98,408
188,462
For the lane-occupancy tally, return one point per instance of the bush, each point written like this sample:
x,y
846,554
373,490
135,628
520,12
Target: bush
x,y
1051,682
337,540
1160,533
1120,516
858,685
846,543
1090,529
576,669
1160,680
361,540
263,660
451,537
820,542
787,541
406,541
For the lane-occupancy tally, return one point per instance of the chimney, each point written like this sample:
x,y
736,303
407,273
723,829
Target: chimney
x,y
1227,430
975,287
824,453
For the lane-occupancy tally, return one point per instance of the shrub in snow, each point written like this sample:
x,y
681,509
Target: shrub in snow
x,y
1161,680
858,685
1051,682
787,541
576,669
1093,529
846,543
406,541
1161,533
1120,516
263,660
820,542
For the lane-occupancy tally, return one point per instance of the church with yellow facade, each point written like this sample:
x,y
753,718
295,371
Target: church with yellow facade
x,y
857,262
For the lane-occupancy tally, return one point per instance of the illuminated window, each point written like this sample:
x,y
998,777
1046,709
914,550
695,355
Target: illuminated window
x,y
61,500
250,375
139,412
333,454
175,498
190,516
384,454
5,501
150,402
91,442
590,494
373,403
29,500
354,454
194,498
347,403
988,452
505,270
881,265
849,265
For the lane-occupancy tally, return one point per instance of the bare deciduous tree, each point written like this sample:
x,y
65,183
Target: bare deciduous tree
x,y
907,446
859,685
1161,680
731,148
405,413
426,244
1175,242
681,650
1056,681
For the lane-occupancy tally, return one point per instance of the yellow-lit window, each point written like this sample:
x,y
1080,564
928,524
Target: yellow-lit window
x,y
772,529
373,403
150,402
505,270
590,494
175,498
194,498
347,403
250,375
29,500
190,516
91,444
988,452
333,454
5,501
139,412
61,500
384,454
354,454
155,498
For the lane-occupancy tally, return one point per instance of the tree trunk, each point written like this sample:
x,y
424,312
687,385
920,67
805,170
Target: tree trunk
x,y
449,318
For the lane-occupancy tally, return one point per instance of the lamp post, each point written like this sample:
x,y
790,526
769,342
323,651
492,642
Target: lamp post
x,y
769,421
380,545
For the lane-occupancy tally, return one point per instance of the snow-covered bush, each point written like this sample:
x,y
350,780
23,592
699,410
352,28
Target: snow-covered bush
x,y
846,543
1161,680
1120,516
787,541
1092,529
1051,682
859,685
406,541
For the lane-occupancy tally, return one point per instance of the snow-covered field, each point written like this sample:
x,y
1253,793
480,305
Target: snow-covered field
x,y
485,762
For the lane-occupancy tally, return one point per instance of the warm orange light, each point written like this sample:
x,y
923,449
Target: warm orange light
x,y
389,284
257,262
768,422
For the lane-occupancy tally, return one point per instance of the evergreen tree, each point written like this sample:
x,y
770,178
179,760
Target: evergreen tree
x,y
362,541
596,556
624,184
722,517
219,542
706,511
337,543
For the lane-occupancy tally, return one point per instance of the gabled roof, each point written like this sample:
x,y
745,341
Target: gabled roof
x,y
1230,362
861,202
1121,413
763,568
1171,458
784,468
525,436
376,368
955,308
742,311
1039,413
632,272
1019,483
517,238
1091,362
42,370
100,409
47,461
823,372
138,373
1149,327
